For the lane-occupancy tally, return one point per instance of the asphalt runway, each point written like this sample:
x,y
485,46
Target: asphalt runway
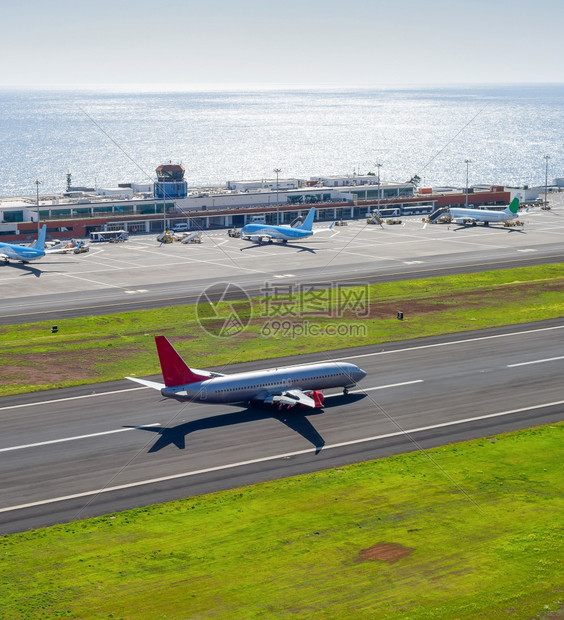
x,y
141,273
92,450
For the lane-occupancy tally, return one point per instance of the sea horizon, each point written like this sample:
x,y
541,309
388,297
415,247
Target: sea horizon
x,y
158,87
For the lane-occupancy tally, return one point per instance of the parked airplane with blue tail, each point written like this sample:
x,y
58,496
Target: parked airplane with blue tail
x,y
25,253
260,232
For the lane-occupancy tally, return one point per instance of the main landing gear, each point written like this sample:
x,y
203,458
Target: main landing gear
x,y
345,391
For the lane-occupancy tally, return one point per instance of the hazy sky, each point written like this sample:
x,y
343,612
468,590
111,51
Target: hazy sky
x,y
295,42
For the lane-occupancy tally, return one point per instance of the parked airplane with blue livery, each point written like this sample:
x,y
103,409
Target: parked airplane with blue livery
x,y
471,216
260,232
285,387
25,253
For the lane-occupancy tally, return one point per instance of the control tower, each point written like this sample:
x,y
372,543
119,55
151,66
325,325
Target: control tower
x,y
170,182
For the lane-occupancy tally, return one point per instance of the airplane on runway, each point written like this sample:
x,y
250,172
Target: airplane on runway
x,y
25,253
287,386
258,232
471,216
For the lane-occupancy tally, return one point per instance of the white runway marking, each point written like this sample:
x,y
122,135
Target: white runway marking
x,y
447,344
549,359
225,257
377,387
274,457
71,275
64,400
383,387
46,443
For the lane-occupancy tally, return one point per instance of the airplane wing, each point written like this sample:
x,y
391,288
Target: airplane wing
x,y
67,248
58,250
259,236
146,383
291,398
273,234
319,230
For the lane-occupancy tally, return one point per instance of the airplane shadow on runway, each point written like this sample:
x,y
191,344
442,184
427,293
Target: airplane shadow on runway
x,y
177,434
301,248
296,420
506,228
28,269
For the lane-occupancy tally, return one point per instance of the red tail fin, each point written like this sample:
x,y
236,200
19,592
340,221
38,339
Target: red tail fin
x,y
175,371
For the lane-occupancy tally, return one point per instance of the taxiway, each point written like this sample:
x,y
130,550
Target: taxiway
x,y
140,273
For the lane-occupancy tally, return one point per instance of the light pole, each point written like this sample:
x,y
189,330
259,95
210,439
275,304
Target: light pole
x,y
164,205
277,171
467,162
379,190
546,158
37,182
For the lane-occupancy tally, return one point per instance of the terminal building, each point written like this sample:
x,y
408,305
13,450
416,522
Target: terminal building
x,y
137,209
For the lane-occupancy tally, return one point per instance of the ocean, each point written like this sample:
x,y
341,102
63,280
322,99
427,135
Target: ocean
x,y
106,137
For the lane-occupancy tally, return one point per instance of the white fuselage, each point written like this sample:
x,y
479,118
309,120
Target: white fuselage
x,y
480,215
258,384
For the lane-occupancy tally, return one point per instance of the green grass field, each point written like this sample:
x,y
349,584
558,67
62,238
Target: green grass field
x,y
471,530
104,348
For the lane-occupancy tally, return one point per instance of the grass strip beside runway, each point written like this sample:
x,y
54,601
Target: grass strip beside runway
x,y
464,531
286,320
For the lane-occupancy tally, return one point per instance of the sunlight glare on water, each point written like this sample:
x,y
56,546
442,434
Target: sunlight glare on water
x,y
107,137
